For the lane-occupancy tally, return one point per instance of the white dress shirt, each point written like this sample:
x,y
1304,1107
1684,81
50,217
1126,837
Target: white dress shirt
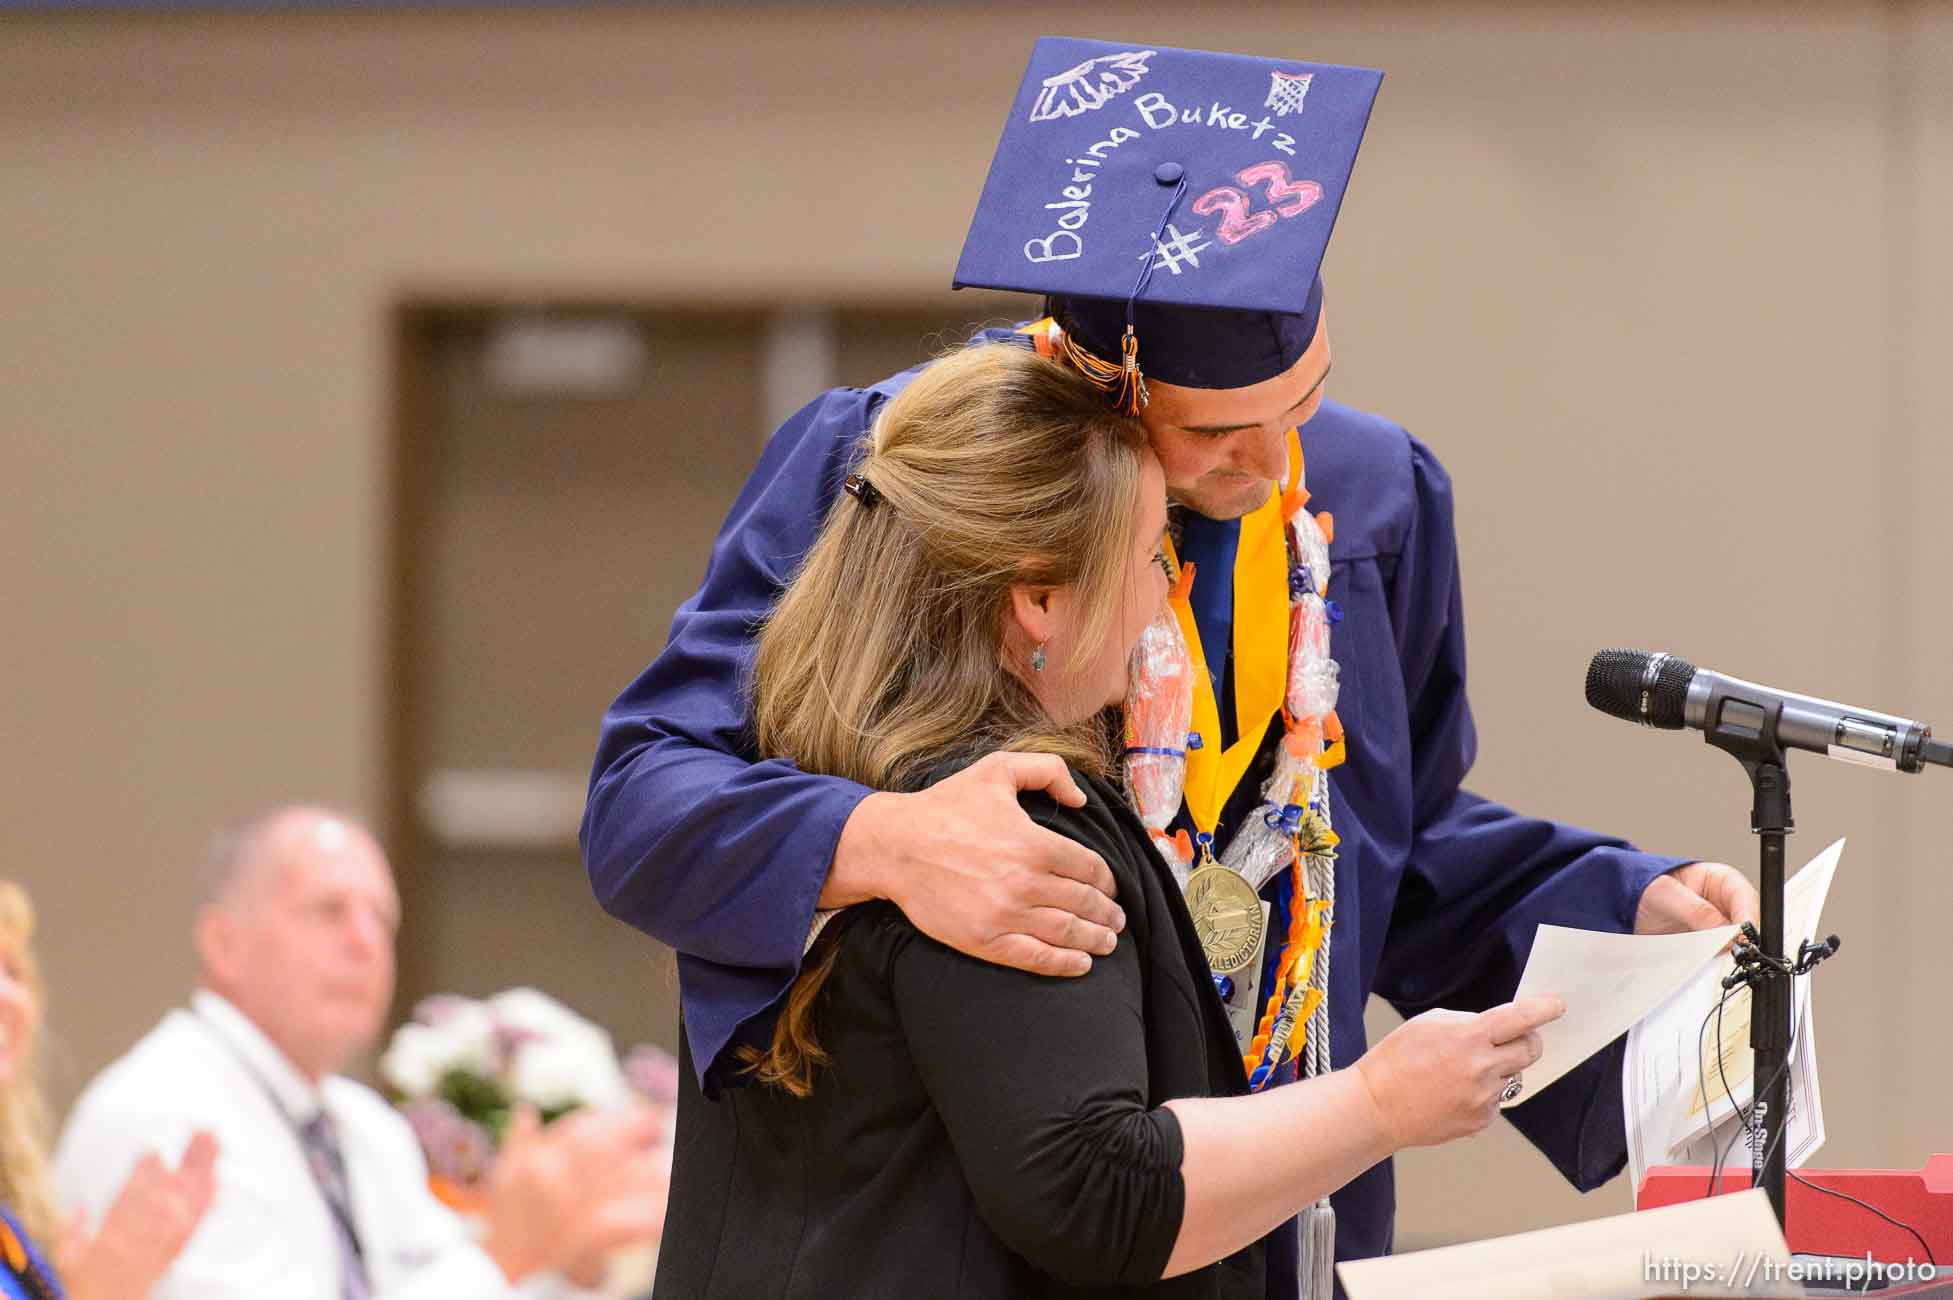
x,y
269,1233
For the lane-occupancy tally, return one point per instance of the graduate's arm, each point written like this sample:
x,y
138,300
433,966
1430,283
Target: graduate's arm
x,y
685,836
688,838
1481,878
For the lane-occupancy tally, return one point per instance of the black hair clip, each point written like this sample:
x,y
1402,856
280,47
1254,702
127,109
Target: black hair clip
x,y
858,487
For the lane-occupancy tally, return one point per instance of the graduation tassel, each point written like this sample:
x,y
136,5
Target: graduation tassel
x,y
1318,1251
1317,1271
1123,380
1131,397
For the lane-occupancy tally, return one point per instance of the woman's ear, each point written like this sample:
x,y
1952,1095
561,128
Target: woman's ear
x,y
1032,609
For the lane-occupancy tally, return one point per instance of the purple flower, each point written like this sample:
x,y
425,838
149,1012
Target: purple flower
x,y
456,1148
653,1073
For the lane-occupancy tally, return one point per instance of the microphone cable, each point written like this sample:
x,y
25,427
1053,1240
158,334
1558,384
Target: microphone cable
x,y
1715,1173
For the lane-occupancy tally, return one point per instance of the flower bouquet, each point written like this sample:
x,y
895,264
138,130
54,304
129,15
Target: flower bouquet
x,y
461,1066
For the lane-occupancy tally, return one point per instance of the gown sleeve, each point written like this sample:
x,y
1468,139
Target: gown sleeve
x,y
685,835
1481,878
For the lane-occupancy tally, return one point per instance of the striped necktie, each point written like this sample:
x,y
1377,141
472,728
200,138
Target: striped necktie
x,y
328,1166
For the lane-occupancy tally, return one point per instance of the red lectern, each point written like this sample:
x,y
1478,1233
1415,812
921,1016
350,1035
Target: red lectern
x,y
1826,1225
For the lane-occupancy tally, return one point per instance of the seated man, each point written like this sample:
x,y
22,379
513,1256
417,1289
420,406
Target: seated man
x,y
322,1189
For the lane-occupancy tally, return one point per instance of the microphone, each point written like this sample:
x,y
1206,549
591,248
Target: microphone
x,y
1659,690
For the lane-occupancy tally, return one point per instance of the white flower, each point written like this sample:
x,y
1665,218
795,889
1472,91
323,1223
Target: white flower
x,y
530,1012
569,1070
466,1033
461,1037
412,1061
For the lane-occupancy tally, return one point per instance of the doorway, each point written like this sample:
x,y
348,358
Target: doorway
x,y
562,471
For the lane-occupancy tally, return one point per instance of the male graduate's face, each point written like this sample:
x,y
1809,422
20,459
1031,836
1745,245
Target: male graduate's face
x,y
1224,449
304,943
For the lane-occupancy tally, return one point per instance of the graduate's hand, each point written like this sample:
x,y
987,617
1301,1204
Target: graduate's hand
x,y
971,870
1699,896
1440,1075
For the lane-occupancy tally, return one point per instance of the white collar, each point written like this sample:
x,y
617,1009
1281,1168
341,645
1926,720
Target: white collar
x,y
293,1092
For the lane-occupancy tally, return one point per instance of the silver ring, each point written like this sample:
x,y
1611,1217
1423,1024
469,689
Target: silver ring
x,y
1513,1087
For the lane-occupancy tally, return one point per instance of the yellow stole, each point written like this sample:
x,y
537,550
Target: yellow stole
x,y
1261,618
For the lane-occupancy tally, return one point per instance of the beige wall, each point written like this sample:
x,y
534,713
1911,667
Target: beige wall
x,y
1660,282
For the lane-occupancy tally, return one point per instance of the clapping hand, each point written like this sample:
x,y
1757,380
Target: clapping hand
x,y
150,1222
561,1198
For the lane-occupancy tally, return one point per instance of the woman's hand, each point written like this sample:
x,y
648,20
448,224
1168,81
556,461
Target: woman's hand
x,y
1439,1076
147,1227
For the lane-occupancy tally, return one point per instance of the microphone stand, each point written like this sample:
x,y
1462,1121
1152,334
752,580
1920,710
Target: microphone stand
x,y
1748,723
1752,741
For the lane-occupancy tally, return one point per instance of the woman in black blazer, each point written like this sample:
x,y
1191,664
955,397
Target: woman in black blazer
x,y
924,1124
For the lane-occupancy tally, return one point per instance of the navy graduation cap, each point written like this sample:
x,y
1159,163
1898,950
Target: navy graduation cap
x,y
1173,204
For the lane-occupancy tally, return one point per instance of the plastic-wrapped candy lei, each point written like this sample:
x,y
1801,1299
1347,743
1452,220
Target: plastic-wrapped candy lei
x,y
1291,829
1159,713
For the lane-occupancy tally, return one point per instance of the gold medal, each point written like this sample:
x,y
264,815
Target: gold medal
x,y
1227,917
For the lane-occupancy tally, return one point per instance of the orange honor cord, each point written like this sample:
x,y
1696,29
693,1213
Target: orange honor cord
x,y
1294,494
1307,924
1183,576
1332,731
1292,955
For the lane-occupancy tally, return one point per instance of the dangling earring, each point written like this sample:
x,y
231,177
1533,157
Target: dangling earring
x,y
1037,658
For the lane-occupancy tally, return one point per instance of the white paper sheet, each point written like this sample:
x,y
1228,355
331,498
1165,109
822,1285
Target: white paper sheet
x,y
1720,1246
1670,1068
1609,981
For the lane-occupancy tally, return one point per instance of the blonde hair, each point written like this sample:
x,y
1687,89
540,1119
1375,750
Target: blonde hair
x,y
25,1187
884,658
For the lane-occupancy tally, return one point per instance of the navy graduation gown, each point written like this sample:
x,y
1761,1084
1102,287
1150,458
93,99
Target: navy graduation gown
x,y
1439,892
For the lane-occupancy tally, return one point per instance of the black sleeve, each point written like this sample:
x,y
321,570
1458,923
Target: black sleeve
x,y
1041,1083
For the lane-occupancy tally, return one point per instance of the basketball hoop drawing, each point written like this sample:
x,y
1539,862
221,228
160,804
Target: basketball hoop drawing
x,y
1287,90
